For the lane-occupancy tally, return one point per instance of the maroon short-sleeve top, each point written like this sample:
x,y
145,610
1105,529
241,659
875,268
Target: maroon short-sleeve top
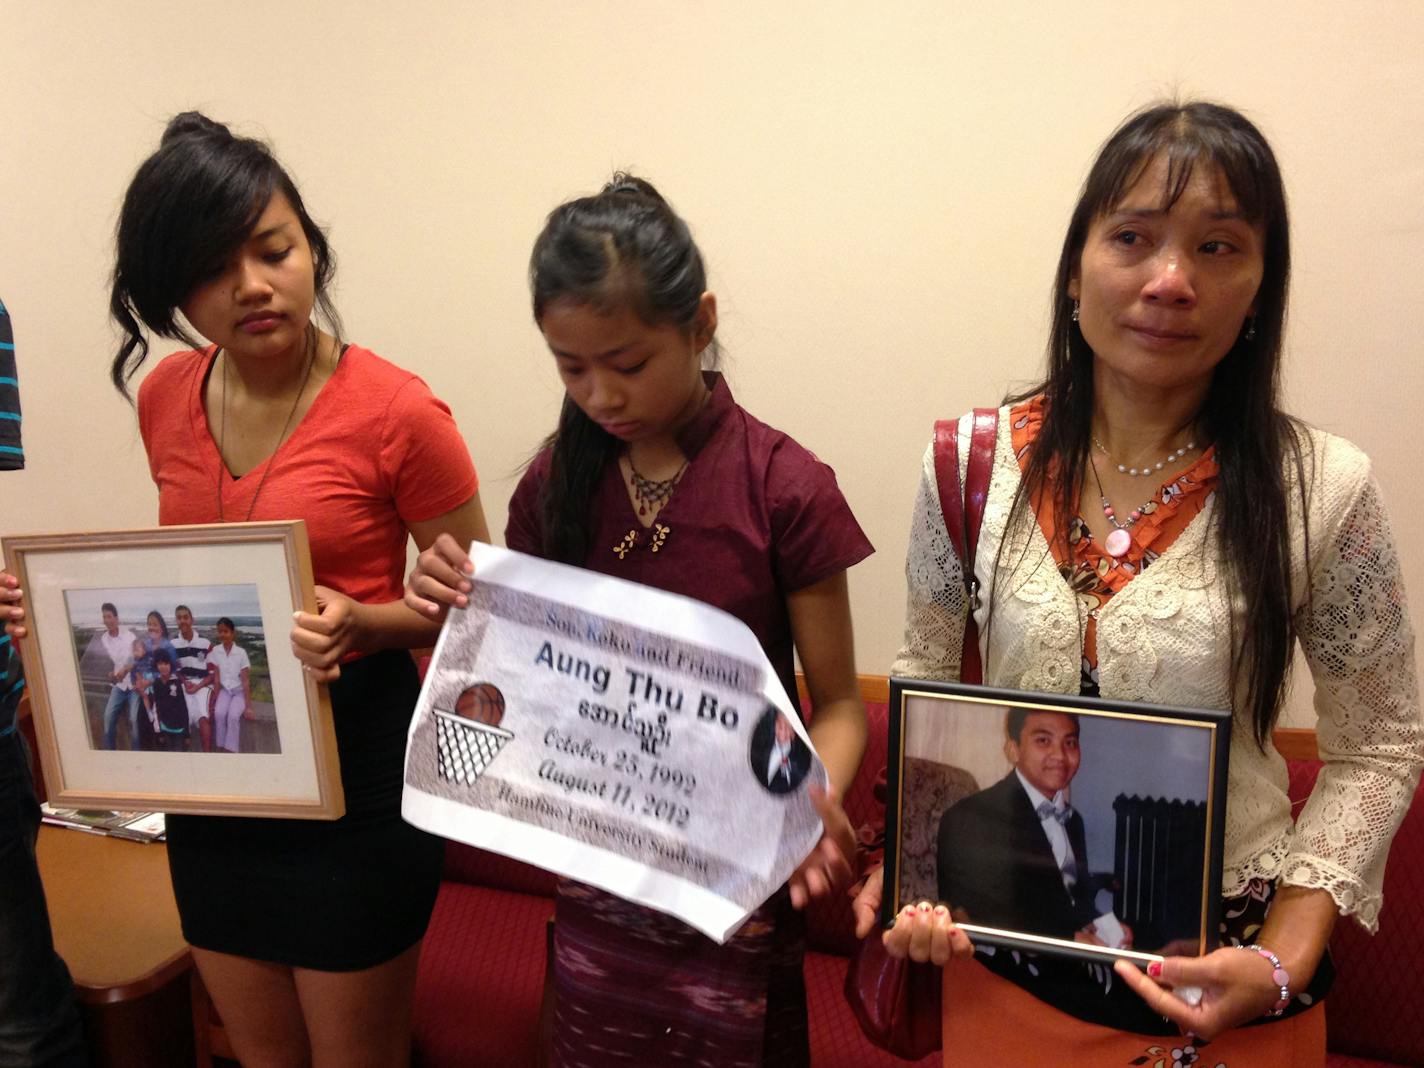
x,y
754,518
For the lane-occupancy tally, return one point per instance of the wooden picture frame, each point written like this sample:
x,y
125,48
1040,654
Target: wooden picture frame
x,y
1138,790
109,730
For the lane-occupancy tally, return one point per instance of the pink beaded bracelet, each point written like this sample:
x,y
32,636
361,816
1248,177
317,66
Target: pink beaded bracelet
x,y
1279,976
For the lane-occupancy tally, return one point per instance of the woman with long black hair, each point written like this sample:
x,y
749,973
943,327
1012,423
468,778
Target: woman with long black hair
x,y
1157,529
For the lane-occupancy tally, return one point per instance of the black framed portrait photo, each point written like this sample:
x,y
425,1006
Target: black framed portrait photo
x,y
1069,825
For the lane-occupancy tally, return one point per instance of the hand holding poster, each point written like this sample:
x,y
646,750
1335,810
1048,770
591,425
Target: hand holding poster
x,y
632,739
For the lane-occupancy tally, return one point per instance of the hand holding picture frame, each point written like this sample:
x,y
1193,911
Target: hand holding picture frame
x,y
1065,825
160,675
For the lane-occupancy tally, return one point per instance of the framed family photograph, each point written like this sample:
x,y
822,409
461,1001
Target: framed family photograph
x,y
160,672
1068,825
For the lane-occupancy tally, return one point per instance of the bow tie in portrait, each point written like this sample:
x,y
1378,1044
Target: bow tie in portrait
x,y
1061,813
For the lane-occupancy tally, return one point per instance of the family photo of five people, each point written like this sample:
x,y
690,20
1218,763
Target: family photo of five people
x,y
175,691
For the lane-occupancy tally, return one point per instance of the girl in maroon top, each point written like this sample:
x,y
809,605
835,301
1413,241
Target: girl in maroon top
x,y
656,474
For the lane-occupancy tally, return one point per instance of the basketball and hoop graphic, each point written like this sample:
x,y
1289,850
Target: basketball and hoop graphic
x,y
468,738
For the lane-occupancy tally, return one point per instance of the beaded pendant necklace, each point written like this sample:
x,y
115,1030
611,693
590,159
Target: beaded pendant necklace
x,y
1119,539
649,494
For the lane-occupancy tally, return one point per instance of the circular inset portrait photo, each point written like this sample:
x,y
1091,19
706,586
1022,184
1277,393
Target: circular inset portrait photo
x,y
482,703
779,758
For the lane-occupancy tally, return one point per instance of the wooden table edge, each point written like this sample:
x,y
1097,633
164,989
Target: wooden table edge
x,y
168,970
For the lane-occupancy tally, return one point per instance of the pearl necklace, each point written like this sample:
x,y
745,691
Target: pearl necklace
x,y
1149,469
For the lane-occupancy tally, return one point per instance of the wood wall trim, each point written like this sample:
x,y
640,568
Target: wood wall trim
x,y
1296,743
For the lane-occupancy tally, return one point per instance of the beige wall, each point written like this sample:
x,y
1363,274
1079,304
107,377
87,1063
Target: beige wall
x,y
880,192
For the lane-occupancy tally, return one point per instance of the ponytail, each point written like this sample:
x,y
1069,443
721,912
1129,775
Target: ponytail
x,y
623,247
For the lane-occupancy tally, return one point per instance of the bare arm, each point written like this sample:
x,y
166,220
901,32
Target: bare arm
x,y
821,627
1237,986
342,625
825,642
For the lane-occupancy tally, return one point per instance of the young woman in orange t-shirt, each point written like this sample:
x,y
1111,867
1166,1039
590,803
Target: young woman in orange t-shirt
x,y
306,933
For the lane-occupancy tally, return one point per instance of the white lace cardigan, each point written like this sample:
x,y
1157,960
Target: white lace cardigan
x,y
1164,638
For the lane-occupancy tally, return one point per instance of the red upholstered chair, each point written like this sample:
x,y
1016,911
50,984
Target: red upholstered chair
x,y
1375,1014
481,975
481,978
930,788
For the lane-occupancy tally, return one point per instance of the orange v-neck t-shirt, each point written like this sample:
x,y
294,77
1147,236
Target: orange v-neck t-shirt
x,y
375,452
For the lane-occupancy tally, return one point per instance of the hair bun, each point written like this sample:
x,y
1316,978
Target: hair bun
x,y
623,183
193,124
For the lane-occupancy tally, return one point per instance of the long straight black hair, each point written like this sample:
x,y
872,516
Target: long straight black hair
x,y
1255,440
189,207
622,248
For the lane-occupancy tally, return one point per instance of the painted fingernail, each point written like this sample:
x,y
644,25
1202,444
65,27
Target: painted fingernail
x,y
1154,969
940,910
924,906
908,910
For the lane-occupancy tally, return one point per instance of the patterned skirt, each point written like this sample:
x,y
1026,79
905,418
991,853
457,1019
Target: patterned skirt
x,y
635,987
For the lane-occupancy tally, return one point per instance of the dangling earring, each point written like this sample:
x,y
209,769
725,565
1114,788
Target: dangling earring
x,y
1251,329
1075,311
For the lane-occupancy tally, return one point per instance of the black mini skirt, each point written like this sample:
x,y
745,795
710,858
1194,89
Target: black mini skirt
x,y
331,895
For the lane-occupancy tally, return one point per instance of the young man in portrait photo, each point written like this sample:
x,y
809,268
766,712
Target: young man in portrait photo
x,y
118,643
780,759
192,649
1014,856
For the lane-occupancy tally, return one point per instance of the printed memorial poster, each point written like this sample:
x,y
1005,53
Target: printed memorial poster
x,y
632,739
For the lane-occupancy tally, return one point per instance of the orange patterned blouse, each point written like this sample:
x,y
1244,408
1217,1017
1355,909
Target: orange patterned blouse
x,y
1093,574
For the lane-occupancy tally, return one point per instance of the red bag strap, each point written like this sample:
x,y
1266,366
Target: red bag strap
x,y
962,504
898,1003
